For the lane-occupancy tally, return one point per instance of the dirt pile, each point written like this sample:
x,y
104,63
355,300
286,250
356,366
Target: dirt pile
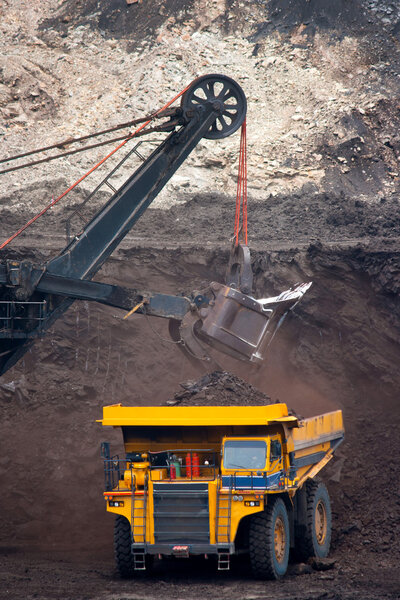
x,y
219,388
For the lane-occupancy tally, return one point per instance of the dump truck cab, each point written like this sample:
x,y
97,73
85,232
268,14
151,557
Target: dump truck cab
x,y
258,462
206,480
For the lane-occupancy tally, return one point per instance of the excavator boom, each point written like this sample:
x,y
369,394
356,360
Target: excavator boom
x,y
33,296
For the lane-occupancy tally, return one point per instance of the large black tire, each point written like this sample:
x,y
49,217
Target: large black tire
x,y
316,537
269,541
122,547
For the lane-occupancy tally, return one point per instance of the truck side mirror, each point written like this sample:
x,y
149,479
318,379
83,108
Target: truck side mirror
x,y
276,450
105,450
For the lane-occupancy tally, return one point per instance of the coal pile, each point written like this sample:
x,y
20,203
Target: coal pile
x,y
219,388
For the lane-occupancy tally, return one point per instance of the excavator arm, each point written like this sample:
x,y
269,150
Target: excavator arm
x,y
32,296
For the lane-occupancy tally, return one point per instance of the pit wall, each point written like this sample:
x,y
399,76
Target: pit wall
x,y
338,349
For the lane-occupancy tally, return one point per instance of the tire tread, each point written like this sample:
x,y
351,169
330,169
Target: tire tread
x,y
261,544
122,547
305,544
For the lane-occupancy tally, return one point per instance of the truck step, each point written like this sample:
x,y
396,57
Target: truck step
x,y
223,561
139,561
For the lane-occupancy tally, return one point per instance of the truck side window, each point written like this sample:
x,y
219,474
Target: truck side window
x,y
245,454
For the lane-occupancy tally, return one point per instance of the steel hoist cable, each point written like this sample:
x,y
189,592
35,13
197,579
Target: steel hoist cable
x,y
70,152
69,142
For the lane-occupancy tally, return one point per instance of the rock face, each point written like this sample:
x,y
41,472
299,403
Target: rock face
x,y
320,80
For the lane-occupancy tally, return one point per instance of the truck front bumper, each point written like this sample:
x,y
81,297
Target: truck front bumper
x,y
183,549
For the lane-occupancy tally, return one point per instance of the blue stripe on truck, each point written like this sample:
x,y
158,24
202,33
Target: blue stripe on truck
x,y
246,482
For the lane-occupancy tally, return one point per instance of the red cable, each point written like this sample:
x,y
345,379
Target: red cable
x,y
245,182
241,189
238,195
53,202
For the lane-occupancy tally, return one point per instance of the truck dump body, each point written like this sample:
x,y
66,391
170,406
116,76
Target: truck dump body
x,y
210,416
191,476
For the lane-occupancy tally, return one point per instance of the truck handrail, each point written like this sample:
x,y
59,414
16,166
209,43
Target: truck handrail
x,y
114,468
255,480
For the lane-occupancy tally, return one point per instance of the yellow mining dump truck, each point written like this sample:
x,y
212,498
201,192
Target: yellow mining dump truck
x,y
219,480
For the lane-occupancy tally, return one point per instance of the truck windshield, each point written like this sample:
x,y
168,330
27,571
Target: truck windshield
x,y
245,454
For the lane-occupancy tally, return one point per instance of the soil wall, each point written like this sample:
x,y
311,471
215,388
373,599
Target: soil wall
x,y
338,349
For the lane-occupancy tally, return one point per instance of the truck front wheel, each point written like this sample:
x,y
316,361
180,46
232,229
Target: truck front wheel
x,y
269,541
122,547
316,536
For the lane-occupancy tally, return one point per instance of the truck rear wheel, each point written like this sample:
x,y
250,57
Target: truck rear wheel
x,y
269,541
122,547
316,538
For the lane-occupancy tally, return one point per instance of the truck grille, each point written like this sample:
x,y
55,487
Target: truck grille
x,y
181,512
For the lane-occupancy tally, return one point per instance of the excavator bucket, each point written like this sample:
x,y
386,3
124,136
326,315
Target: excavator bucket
x,y
238,324
233,321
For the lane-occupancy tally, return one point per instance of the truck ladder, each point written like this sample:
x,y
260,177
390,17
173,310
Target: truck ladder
x,y
138,517
223,560
223,528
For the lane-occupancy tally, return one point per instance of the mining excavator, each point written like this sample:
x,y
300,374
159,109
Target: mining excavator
x,y
225,316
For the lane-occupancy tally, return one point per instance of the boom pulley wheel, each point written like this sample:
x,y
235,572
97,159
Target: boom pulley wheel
x,y
223,91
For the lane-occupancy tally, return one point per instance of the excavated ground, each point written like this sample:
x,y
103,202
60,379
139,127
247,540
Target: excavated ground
x,y
323,89
338,350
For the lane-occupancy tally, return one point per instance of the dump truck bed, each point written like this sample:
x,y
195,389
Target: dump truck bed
x,y
305,442
156,416
316,430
